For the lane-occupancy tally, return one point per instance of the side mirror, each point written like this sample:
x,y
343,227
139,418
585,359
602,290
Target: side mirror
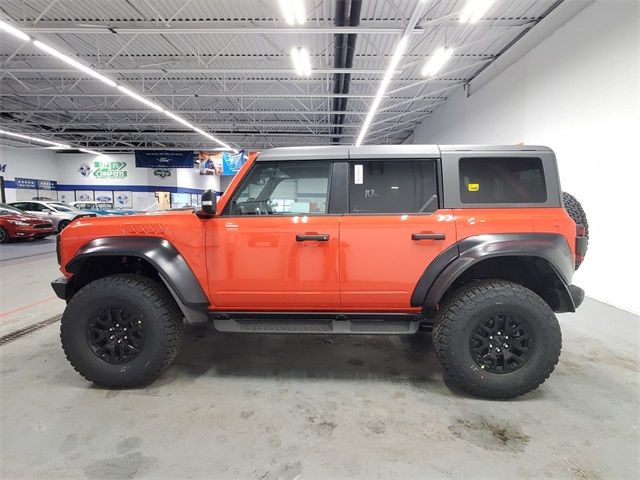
x,y
208,208
46,210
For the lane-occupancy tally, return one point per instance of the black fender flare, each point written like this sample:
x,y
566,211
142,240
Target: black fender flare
x,y
458,258
171,266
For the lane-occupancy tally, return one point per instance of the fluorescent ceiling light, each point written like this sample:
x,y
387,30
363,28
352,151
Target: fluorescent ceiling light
x,y
301,61
92,152
148,103
5,27
34,139
178,119
474,10
297,7
439,58
391,68
74,63
293,11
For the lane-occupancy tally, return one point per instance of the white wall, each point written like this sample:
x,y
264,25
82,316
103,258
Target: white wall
x,y
64,168
577,92
26,163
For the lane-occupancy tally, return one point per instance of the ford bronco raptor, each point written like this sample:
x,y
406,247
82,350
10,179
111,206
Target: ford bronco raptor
x,y
475,242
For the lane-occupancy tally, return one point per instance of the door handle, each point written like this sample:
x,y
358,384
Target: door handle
x,y
321,237
428,236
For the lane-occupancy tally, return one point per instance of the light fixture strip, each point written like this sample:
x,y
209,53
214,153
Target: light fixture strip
x,y
34,139
301,61
6,27
139,98
388,74
474,10
438,60
293,11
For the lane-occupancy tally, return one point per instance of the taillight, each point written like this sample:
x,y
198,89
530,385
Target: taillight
x,y
581,244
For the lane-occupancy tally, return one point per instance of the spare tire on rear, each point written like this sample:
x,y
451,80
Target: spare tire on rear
x,y
577,214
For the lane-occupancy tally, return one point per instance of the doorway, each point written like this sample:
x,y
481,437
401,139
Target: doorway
x,y
164,200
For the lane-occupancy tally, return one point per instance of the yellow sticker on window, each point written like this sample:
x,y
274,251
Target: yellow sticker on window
x,y
474,187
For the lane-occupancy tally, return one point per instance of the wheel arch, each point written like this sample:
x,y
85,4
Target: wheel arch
x,y
153,257
541,262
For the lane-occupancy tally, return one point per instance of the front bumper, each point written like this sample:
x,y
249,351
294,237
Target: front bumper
x,y
59,286
29,232
577,295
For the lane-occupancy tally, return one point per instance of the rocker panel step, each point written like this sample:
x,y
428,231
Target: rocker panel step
x,y
363,324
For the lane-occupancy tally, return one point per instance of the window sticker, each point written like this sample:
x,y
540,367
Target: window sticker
x,y
358,175
474,187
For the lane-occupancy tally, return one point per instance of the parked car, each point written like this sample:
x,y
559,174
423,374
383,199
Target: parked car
x,y
99,208
476,243
15,224
60,214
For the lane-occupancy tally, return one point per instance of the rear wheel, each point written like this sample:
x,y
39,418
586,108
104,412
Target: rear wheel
x,y
121,330
4,236
496,339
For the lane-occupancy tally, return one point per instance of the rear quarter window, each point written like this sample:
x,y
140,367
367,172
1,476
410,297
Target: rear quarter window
x,y
502,180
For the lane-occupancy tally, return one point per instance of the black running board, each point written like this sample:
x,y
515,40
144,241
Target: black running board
x,y
323,323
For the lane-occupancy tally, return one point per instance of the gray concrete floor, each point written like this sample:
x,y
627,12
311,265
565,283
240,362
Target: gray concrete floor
x,y
307,407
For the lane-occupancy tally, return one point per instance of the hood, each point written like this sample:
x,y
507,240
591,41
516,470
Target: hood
x,y
30,219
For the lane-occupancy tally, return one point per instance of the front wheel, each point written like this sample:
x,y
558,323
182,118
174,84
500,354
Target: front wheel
x,y
496,339
4,236
121,331
62,225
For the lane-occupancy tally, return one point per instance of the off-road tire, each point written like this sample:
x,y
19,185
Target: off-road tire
x,y
576,212
457,320
62,225
163,329
4,236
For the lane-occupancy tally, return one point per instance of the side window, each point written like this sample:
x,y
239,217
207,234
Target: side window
x,y
283,187
393,186
21,206
502,180
35,207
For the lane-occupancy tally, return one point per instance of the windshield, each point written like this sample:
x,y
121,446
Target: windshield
x,y
61,207
9,210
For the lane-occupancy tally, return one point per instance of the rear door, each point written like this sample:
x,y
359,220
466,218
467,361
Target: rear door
x,y
275,247
392,232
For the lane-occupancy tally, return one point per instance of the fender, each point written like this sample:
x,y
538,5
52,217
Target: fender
x,y
163,256
455,260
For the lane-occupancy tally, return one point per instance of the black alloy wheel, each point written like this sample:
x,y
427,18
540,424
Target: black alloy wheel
x,y
501,343
116,335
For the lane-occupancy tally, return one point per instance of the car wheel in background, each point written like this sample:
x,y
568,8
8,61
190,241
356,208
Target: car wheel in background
x,y
4,236
63,224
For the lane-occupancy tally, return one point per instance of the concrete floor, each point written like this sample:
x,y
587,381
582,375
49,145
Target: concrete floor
x,y
307,407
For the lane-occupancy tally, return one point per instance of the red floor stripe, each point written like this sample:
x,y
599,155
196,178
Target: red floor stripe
x,y
19,309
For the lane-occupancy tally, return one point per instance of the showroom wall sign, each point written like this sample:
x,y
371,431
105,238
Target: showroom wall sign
x,y
220,163
109,170
165,159
3,167
162,173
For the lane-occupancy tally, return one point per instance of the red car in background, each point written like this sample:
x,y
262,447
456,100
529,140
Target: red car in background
x,y
15,223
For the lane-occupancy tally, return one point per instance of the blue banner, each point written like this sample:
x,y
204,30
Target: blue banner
x,y
231,163
47,184
26,183
165,159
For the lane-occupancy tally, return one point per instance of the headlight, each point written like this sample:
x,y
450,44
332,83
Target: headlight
x,y
18,223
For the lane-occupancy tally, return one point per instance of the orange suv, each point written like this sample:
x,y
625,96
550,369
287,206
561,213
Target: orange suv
x,y
472,241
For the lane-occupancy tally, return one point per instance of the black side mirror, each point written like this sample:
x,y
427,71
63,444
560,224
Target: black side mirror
x,y
208,208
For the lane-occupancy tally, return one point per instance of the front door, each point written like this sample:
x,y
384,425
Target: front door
x,y
275,247
393,231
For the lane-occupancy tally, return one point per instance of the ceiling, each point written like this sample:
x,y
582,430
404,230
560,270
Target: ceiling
x,y
225,67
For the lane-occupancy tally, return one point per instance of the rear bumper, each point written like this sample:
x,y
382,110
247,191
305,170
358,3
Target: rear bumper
x,y
577,295
59,286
